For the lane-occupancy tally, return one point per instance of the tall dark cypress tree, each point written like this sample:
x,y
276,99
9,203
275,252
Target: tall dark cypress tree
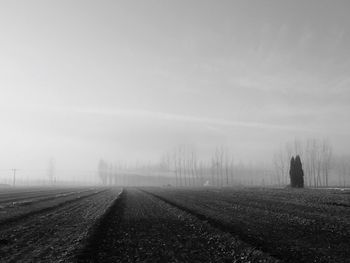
x,y
299,173
292,172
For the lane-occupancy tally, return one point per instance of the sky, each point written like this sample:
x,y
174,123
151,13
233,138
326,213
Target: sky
x,y
129,80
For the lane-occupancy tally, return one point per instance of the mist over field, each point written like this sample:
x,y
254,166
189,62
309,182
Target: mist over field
x,y
175,131
130,81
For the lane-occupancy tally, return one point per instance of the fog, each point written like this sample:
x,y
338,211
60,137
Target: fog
x,y
130,81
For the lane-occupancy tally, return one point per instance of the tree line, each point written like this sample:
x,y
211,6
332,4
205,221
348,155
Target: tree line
x,y
320,165
182,166
219,170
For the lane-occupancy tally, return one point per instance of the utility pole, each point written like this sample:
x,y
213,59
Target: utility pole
x,y
14,176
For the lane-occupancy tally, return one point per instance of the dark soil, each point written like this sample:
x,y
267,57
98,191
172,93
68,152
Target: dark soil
x,y
142,228
292,225
55,233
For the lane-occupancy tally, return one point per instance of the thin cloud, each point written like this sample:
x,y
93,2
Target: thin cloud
x,y
188,119
138,113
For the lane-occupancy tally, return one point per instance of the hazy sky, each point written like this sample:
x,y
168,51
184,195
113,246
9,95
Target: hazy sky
x,y
81,80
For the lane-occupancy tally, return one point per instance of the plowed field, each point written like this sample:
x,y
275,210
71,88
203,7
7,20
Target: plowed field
x,y
174,225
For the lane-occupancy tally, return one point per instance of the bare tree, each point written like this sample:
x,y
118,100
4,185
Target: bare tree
x,y
213,170
342,164
51,171
232,172
281,165
226,165
102,171
193,167
326,160
179,165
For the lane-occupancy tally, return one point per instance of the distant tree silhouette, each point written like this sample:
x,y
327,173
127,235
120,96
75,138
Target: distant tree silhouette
x,y
296,173
292,172
51,171
103,171
299,172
